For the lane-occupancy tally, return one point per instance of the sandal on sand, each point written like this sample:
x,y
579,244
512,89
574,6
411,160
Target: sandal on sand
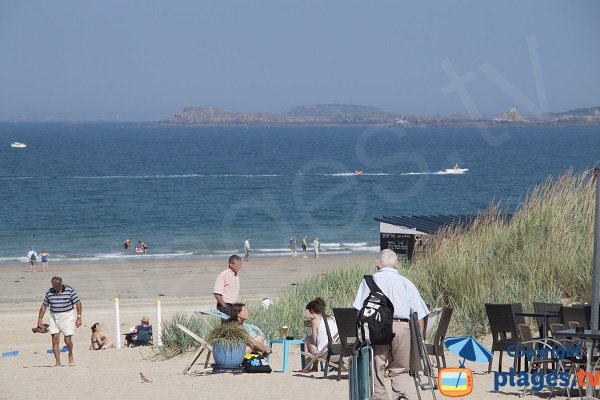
x,y
43,329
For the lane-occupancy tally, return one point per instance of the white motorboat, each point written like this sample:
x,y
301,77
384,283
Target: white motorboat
x,y
455,170
18,145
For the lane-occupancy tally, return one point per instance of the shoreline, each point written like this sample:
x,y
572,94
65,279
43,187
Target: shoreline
x,y
169,258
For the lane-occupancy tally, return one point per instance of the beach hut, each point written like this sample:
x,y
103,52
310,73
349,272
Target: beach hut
x,y
407,235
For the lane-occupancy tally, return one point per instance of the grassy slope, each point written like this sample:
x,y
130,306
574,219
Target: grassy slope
x,y
543,254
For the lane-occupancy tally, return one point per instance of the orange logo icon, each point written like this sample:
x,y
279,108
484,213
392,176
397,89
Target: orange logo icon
x,y
455,382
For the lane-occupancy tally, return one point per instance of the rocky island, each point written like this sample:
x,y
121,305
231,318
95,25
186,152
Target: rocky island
x,y
349,114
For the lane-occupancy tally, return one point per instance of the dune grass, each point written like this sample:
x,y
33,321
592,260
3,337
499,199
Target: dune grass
x,y
175,341
543,254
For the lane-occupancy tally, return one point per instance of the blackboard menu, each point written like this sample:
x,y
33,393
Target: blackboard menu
x,y
401,243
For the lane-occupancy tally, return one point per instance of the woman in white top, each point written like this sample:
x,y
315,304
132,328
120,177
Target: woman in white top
x,y
317,341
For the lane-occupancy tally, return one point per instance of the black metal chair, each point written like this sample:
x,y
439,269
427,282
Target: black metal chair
x,y
544,308
437,347
503,325
346,325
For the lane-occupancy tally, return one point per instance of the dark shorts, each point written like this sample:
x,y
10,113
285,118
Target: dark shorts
x,y
303,247
226,309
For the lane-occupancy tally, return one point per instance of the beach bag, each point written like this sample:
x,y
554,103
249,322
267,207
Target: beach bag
x,y
376,317
255,363
32,257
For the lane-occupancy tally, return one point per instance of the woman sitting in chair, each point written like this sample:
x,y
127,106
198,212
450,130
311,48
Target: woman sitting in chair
x,y
99,341
317,342
141,335
239,314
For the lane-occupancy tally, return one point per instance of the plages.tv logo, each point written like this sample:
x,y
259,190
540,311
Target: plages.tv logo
x,y
455,382
458,382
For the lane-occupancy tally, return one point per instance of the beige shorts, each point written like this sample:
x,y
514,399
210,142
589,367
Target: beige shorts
x,y
62,323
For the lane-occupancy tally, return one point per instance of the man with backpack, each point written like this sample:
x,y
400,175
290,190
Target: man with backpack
x,y
32,258
383,299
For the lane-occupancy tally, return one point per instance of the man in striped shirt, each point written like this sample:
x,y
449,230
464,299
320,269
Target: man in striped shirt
x,y
61,300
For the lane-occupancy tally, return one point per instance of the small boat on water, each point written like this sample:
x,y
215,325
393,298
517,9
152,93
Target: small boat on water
x,y
18,145
357,172
455,170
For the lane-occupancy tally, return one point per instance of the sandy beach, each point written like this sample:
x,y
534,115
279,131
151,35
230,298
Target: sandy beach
x,y
180,285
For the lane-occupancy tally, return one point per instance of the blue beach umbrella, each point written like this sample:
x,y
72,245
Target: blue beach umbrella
x,y
468,348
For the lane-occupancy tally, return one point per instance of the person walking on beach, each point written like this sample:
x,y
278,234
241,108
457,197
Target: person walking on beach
x,y
293,245
227,285
44,259
316,246
246,249
304,246
394,357
61,300
32,259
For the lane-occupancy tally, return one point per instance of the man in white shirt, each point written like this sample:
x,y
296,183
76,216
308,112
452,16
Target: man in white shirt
x,y
246,249
404,296
32,259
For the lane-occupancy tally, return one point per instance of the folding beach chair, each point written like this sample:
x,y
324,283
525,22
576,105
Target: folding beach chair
x,y
419,359
203,346
321,357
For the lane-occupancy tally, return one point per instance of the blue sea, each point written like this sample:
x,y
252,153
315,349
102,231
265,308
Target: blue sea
x,y
79,190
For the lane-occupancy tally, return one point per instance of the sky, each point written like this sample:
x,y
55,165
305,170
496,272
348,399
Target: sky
x,y
146,60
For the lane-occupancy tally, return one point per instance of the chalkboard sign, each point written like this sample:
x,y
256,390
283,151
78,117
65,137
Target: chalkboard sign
x,y
401,243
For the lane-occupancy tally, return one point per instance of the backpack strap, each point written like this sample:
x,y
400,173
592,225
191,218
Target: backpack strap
x,y
371,284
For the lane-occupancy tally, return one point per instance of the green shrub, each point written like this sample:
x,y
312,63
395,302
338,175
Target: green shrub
x,y
228,334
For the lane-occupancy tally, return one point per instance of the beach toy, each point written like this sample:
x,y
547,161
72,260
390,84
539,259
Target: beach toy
x,y
10,354
63,350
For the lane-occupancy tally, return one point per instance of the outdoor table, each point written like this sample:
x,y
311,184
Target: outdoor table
x,y
546,315
285,343
591,337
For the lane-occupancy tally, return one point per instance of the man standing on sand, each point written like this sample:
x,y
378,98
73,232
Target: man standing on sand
x,y
227,285
293,245
394,357
61,300
246,249
316,246
32,259
304,245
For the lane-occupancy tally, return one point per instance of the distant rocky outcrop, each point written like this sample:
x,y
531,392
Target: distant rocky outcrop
x,y
322,110
219,116
348,114
510,115
588,115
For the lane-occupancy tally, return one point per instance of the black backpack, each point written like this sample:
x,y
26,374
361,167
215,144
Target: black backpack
x,y
32,257
375,318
